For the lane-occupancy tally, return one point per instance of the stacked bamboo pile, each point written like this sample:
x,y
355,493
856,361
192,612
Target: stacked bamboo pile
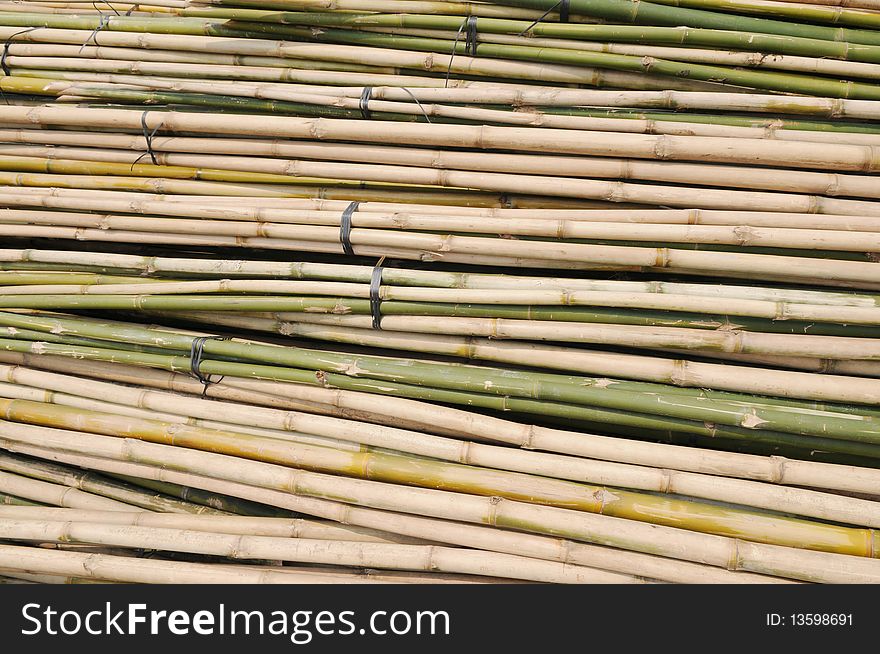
x,y
300,291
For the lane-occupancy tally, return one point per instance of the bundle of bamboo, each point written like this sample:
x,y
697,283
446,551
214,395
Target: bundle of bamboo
x,y
623,327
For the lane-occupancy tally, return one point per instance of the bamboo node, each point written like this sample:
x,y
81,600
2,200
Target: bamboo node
x,y
734,562
666,481
492,515
528,442
777,471
744,234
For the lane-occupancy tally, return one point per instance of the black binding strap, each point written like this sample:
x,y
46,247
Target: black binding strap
x,y
564,10
364,103
470,43
105,21
564,7
345,228
375,299
148,138
3,64
469,26
196,353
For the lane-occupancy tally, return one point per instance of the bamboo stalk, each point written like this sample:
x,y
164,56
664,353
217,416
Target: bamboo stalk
x,y
792,501
303,550
709,549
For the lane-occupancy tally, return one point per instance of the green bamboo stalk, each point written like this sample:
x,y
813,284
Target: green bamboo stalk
x,y
630,11
758,79
546,400
98,485
217,501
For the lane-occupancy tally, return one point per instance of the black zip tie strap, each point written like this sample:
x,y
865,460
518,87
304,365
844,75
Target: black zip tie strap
x,y
375,299
469,26
364,104
3,65
564,7
416,100
196,353
105,21
148,138
470,42
345,228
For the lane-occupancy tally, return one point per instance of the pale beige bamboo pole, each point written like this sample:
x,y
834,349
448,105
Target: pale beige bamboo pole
x,y
15,391
825,366
668,99
56,494
253,68
135,570
713,550
312,172
459,64
227,524
464,423
682,339
79,234
808,503
752,151
758,60
799,181
297,73
458,533
106,200
71,83
423,558
538,170
743,236
454,248
777,309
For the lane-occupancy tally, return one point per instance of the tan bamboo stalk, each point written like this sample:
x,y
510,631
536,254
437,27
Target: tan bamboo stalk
x,y
397,469
758,60
523,166
317,172
14,391
740,235
601,167
504,252
280,211
808,503
830,366
675,543
72,83
458,533
459,65
668,99
16,231
56,494
358,328
827,308
259,69
463,423
753,151
452,8
106,200
96,485
226,524
299,73
302,550
134,570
